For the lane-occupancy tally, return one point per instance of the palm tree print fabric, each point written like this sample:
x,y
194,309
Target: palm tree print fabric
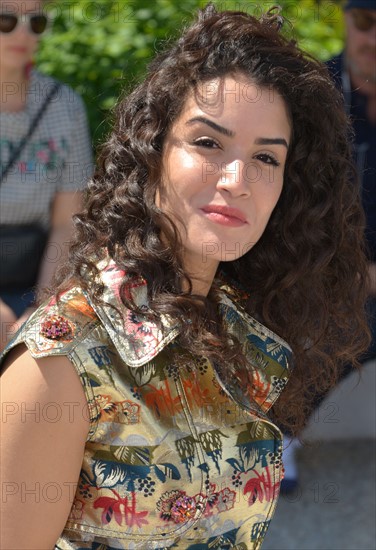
x,y
178,456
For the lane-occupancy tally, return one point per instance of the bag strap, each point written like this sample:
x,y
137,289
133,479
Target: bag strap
x,y
33,126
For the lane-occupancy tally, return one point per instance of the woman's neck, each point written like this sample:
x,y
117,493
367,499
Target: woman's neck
x,y
201,275
13,82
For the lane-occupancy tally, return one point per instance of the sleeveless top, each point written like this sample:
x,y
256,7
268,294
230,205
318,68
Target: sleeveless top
x,y
175,457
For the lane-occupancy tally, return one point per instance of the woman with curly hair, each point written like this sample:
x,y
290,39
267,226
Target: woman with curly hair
x,y
222,222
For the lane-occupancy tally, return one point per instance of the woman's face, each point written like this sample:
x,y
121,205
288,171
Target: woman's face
x,y
18,47
223,165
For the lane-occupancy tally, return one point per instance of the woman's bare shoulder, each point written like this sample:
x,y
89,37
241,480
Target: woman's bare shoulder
x,y
44,428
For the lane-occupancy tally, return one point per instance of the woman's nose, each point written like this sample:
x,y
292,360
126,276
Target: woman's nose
x,y
235,178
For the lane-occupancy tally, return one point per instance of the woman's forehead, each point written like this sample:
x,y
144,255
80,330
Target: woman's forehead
x,y
215,92
212,97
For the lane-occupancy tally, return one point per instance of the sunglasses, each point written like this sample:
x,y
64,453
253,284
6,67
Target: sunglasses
x,y
37,23
363,19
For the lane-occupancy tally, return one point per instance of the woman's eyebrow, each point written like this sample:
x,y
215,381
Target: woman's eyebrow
x,y
230,133
212,125
271,141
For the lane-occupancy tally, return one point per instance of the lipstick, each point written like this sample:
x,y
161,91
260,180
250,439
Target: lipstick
x,y
224,215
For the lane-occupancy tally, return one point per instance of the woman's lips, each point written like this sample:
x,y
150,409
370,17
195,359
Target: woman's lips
x,y
224,215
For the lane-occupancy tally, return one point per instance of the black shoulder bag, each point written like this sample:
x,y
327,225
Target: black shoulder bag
x,y
22,246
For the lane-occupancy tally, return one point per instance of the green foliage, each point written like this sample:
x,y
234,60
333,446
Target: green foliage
x,y
101,47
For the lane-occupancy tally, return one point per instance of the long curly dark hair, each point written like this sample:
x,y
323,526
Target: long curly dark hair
x,y
307,274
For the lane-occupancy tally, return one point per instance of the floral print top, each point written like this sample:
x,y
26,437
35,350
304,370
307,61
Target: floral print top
x,y
175,458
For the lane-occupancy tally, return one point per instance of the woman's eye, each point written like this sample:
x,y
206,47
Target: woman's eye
x,y
268,159
208,143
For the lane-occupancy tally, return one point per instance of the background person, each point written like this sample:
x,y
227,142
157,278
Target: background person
x,y
354,72
175,352
40,191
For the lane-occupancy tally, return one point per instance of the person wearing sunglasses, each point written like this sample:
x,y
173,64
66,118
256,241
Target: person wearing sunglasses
x,y
45,159
36,22
354,72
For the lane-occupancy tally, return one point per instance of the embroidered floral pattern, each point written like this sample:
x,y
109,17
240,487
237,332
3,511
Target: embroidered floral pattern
x,y
226,500
169,445
182,509
122,509
124,412
166,502
77,509
56,327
